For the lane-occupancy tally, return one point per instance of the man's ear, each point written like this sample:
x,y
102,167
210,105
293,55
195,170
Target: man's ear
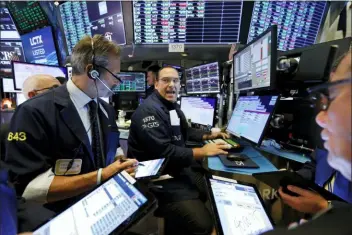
x,y
156,83
88,68
31,94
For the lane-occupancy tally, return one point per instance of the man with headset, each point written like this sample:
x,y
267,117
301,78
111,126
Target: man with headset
x,y
63,143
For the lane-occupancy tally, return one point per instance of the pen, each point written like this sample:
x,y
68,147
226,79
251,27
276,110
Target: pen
x,y
126,159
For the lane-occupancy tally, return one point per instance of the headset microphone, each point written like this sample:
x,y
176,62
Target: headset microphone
x,y
104,84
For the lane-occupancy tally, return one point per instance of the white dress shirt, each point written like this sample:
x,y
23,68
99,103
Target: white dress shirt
x,y
37,189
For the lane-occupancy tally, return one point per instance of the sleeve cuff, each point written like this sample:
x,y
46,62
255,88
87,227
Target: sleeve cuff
x,y
37,190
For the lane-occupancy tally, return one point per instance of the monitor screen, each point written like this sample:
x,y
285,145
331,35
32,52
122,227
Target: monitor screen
x,y
200,110
20,98
8,30
8,86
298,21
21,71
28,15
100,212
131,82
10,50
40,47
239,208
81,18
208,22
253,64
149,168
251,116
203,79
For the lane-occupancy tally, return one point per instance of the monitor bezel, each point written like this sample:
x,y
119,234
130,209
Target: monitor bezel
x,y
131,92
21,62
3,87
207,97
215,209
204,93
273,30
266,124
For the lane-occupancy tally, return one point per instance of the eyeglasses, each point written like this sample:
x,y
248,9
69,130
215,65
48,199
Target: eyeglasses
x,y
322,95
114,75
47,88
167,80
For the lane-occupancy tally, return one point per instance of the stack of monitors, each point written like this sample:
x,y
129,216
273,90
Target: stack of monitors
x,y
82,18
203,79
255,64
27,15
209,22
40,47
298,22
21,71
10,44
131,82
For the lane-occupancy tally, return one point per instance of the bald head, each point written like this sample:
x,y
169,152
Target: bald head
x,y
37,84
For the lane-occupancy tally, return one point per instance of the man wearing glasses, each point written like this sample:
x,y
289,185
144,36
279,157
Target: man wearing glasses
x,y
63,143
38,84
334,100
159,130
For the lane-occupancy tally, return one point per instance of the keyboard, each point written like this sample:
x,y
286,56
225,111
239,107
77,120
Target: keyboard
x,y
229,142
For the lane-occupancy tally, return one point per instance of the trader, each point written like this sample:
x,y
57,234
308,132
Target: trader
x,y
63,143
38,84
335,119
159,130
151,78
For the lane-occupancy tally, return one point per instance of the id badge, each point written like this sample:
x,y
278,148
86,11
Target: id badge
x,y
61,167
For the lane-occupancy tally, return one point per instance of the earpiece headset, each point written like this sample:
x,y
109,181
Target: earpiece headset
x,y
93,73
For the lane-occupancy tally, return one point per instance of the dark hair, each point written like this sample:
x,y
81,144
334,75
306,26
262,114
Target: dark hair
x,y
154,68
165,67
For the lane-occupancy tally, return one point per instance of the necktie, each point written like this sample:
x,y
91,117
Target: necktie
x,y
96,144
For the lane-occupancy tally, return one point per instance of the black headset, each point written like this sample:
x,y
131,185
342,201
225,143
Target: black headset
x,y
93,73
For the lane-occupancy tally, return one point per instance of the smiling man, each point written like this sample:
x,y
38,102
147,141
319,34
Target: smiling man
x,y
159,130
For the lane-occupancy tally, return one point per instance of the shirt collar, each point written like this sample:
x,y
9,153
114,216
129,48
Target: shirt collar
x,y
77,95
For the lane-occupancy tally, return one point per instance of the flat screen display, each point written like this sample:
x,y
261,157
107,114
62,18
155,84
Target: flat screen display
x,y
239,208
8,86
131,82
8,30
149,168
203,79
100,212
250,117
21,71
200,110
40,47
81,18
20,98
298,22
253,64
208,22
10,50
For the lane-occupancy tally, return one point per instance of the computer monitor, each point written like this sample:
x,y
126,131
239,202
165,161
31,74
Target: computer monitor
x,y
9,51
200,110
8,86
131,82
251,116
255,64
299,22
21,71
40,47
20,98
203,79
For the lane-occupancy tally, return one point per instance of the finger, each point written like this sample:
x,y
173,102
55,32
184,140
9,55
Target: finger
x,y
225,135
221,144
133,174
222,152
128,163
131,169
285,196
224,146
299,191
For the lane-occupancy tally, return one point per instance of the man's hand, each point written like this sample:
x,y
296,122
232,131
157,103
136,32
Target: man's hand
x,y
218,135
129,165
307,201
213,149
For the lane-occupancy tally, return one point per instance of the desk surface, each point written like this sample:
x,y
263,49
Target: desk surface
x,y
214,163
298,157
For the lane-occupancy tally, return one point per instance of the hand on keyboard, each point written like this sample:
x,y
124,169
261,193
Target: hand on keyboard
x,y
221,141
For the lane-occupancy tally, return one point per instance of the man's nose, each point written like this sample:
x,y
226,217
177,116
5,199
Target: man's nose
x,y
321,119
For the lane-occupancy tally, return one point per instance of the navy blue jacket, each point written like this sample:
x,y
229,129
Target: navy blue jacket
x,y
53,130
152,136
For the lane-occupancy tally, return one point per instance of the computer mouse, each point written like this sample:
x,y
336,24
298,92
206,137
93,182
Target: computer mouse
x,y
236,157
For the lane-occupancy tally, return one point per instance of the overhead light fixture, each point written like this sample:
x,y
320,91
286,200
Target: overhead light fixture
x,y
184,54
56,3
